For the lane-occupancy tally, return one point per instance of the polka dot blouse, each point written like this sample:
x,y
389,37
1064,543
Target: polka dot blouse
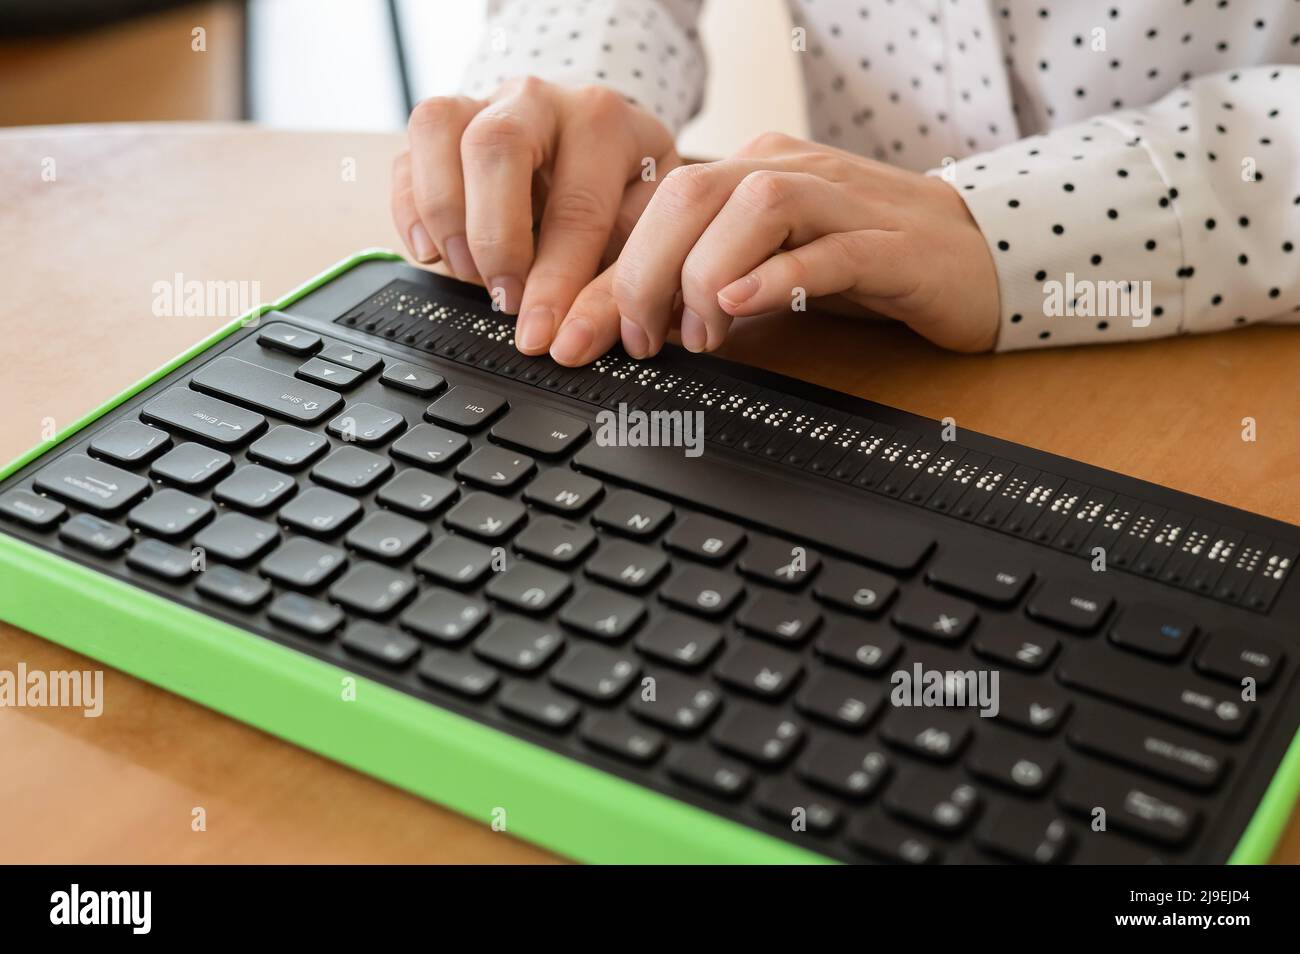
x,y
1133,164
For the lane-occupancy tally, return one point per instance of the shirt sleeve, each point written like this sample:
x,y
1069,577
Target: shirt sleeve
x,y
1178,218
647,50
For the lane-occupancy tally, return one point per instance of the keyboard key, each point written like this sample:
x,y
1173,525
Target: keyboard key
x,y
595,673
416,493
311,617
485,516
863,531
329,374
37,512
633,514
539,431
417,380
1034,705
785,800
779,563
602,614
352,469
528,587
519,644
96,535
289,339
851,768
288,447
1076,607
350,357
1170,693
91,484
320,512
387,536
784,619
1143,809
705,770
255,488
930,733
757,734
303,564
1013,762
933,800
935,616
860,648
430,446
268,391
629,566
891,842
675,702
236,538
457,672
1018,646
614,733
367,424
383,644
1154,631
758,670
372,589
160,559
1149,746
445,616
128,443
203,418
1236,655
233,587
982,577
495,468
556,541
703,538
563,491
540,704
455,561
170,514
854,588
191,466
840,699
1028,835
466,408
679,641
703,591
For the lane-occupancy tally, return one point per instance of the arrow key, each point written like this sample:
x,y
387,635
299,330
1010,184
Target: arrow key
x,y
410,378
286,338
329,374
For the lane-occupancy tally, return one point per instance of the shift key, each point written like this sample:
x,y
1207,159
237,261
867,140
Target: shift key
x,y
202,417
266,390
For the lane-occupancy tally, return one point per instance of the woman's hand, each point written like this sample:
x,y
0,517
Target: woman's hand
x,y
477,171
787,219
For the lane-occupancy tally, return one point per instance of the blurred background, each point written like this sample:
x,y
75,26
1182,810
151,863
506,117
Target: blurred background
x,y
330,64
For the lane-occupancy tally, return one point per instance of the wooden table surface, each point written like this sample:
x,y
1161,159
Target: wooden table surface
x,y
133,205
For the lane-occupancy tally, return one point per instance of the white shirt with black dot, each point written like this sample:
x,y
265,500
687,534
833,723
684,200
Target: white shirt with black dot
x,y
1093,142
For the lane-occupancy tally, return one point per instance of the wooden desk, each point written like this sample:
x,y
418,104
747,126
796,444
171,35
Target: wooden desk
x,y
132,205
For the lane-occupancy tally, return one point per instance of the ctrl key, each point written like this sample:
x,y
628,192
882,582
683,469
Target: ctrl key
x,y
37,512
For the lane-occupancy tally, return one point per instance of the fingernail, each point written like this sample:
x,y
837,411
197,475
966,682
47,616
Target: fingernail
x,y
533,330
422,246
635,341
573,341
460,260
506,290
739,291
695,336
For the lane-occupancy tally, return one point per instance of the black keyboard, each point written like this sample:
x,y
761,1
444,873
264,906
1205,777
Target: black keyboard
x,y
390,486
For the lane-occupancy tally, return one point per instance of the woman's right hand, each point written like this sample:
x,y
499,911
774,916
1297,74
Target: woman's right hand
x,y
476,172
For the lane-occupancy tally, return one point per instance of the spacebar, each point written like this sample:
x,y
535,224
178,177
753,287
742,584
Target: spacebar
x,y
857,530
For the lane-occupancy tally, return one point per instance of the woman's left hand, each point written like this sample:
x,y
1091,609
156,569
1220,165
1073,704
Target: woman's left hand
x,y
786,220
